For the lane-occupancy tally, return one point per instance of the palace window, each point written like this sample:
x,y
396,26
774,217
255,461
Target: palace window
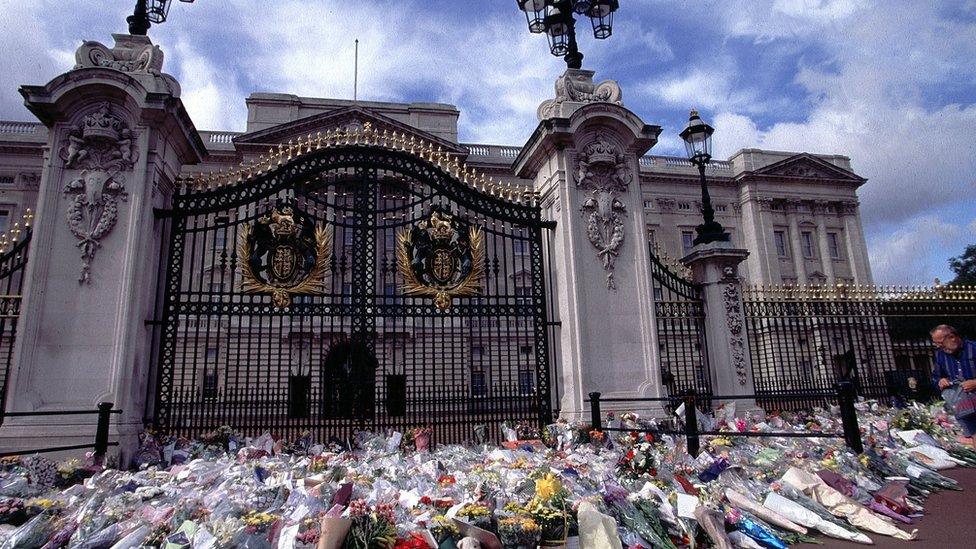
x,y
4,219
526,383
806,369
525,350
779,237
210,383
687,241
834,245
477,352
390,241
220,235
521,247
806,239
648,204
684,206
7,180
721,207
479,387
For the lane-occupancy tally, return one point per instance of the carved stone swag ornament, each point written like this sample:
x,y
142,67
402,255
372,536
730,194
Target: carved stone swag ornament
x,y
101,147
602,172
733,316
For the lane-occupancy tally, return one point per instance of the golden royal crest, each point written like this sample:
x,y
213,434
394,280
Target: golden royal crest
x,y
283,254
441,257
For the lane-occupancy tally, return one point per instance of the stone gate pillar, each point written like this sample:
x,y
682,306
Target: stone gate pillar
x,y
118,136
716,267
583,158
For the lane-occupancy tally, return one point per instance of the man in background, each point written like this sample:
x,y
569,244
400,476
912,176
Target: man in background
x,y
955,361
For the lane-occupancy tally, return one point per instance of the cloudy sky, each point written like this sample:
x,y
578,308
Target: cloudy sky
x,y
890,83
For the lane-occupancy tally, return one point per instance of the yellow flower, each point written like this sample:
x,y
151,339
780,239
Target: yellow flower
x,y
547,487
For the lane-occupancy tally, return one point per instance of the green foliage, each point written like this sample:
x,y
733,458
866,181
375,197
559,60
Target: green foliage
x,y
964,266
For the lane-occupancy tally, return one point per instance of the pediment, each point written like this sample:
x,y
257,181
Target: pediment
x,y
808,166
343,118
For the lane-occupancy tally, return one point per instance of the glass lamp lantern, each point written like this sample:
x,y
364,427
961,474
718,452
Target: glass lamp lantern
x,y
534,14
698,139
557,30
601,16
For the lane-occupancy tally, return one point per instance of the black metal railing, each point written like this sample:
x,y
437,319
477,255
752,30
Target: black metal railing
x,y
804,339
100,444
845,395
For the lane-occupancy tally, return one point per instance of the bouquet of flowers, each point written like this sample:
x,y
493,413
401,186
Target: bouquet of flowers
x,y
418,438
548,509
371,529
518,532
640,460
443,529
309,531
476,514
12,511
257,530
914,417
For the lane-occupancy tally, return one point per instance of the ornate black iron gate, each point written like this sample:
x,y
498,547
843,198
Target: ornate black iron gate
x,y
680,318
360,285
12,265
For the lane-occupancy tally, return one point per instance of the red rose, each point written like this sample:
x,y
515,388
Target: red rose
x,y
648,437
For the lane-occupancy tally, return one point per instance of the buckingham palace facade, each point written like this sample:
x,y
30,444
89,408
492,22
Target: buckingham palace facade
x,y
797,213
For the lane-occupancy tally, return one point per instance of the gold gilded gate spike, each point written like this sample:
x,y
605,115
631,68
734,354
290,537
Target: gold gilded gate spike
x,y
318,140
308,149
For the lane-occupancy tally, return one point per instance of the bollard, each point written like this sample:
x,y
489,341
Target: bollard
x,y
101,432
691,423
595,411
848,416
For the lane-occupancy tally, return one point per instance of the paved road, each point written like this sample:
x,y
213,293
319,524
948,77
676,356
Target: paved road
x,y
949,521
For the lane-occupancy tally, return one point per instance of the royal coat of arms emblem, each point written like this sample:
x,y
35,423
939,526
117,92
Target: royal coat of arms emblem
x,y
284,253
441,257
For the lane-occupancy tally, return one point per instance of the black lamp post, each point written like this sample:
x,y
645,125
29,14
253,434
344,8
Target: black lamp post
x,y
148,12
698,142
555,18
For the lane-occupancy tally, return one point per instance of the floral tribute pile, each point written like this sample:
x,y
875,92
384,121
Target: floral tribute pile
x,y
567,486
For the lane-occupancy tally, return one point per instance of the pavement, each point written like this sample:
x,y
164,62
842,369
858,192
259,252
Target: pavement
x,y
949,521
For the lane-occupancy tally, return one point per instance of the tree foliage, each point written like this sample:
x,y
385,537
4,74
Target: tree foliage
x,y
964,266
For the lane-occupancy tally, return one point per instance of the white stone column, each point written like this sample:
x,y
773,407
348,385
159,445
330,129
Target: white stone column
x,y
716,267
583,158
117,137
826,260
796,247
856,246
758,233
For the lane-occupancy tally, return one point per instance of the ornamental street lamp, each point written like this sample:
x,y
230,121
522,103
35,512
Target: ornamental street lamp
x,y
148,12
698,142
555,18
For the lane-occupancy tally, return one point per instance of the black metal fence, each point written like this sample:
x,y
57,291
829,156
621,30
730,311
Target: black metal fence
x,y
803,340
100,445
12,264
680,323
844,393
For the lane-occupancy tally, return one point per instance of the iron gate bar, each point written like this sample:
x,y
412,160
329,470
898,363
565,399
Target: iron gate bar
x,y
366,194
680,324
